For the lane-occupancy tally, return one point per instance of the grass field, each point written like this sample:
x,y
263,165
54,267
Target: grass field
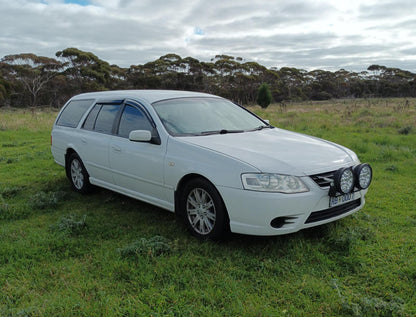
x,y
65,254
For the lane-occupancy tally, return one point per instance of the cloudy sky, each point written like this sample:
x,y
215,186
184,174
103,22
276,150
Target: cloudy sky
x,y
306,34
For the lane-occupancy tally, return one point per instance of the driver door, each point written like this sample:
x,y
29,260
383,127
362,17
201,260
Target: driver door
x,y
137,166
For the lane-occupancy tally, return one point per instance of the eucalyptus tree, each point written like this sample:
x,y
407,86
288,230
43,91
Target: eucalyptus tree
x,y
29,74
5,90
292,82
85,71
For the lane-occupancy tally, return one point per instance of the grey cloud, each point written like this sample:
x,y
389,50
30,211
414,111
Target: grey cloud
x,y
387,9
302,11
409,51
92,32
284,42
277,33
261,14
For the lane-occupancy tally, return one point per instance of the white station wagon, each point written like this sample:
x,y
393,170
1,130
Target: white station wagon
x,y
217,165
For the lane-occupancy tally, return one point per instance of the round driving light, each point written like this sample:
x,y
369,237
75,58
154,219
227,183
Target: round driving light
x,y
363,175
344,180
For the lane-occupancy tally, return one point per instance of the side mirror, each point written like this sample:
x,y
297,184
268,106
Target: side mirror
x,y
267,121
140,136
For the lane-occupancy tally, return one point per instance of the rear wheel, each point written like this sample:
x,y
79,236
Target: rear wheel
x,y
78,175
203,210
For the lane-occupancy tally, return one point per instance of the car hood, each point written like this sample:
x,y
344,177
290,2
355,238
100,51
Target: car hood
x,y
278,151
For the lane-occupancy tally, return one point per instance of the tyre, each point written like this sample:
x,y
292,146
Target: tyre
x,y
203,210
78,175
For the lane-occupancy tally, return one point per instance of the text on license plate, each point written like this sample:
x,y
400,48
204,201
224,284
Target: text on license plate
x,y
339,200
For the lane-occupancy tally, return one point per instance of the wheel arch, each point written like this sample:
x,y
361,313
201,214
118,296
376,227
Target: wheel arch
x,y
181,185
69,152
86,186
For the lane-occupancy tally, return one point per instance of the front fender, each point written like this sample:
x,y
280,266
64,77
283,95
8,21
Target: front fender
x,y
184,158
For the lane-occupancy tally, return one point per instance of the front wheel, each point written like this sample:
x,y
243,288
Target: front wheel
x,y
203,210
78,175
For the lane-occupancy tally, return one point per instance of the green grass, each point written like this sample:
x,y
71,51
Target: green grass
x,y
65,254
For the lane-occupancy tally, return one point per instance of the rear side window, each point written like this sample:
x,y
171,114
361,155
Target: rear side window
x,y
90,121
105,118
73,113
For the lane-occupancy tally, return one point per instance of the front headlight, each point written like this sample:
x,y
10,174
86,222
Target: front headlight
x,y
273,183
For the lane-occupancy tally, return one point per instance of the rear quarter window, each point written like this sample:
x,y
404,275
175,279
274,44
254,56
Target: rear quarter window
x,y
73,112
92,116
105,118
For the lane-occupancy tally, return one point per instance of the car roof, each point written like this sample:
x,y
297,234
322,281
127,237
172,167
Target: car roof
x,y
149,95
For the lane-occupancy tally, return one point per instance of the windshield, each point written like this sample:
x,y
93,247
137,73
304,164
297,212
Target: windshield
x,y
204,116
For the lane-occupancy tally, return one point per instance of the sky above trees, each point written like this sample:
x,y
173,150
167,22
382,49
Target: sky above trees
x,y
305,34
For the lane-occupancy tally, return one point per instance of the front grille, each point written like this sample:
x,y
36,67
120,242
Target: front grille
x,y
324,179
333,212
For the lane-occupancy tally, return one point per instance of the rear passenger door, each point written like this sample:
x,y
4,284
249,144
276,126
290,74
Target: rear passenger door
x,y
138,166
96,134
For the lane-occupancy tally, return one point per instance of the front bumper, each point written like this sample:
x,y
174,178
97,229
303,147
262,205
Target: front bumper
x,y
252,212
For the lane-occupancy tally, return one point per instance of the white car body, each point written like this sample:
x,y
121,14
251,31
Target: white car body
x,y
153,172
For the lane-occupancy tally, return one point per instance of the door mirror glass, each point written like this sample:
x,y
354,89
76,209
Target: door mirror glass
x,y
140,136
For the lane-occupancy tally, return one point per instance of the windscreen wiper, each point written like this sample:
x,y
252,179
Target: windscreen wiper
x,y
262,127
223,131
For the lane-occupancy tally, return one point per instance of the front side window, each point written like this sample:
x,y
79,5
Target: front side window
x,y
73,113
132,119
105,118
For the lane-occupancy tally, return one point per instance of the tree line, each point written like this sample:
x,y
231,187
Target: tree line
x,y
31,80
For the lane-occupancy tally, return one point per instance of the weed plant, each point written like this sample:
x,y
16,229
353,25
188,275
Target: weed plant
x,y
103,254
70,225
154,246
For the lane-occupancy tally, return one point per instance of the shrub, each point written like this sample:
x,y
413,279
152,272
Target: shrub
x,y
344,241
264,96
70,225
8,145
151,247
12,160
358,305
9,192
3,208
392,168
42,200
405,130
321,95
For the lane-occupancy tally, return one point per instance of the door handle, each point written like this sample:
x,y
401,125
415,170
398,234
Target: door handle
x,y
116,148
83,140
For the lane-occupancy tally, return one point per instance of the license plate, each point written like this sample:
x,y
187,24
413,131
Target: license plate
x,y
339,200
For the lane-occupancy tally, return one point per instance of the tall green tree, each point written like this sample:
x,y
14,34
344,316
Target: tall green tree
x,y
5,90
85,70
30,72
264,96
